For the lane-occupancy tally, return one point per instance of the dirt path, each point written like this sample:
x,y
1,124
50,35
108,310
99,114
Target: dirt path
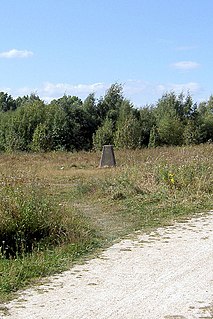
x,y
166,274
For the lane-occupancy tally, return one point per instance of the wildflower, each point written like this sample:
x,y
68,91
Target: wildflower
x,y
171,178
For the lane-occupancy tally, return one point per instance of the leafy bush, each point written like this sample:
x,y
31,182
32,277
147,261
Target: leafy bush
x,y
103,135
128,133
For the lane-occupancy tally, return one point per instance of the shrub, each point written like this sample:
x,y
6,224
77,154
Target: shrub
x,y
104,135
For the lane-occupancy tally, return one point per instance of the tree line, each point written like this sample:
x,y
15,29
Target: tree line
x,y
29,124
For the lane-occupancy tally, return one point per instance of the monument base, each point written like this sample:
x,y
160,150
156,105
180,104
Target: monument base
x,y
107,157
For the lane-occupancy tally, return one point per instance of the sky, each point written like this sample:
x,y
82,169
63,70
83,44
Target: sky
x,y
77,47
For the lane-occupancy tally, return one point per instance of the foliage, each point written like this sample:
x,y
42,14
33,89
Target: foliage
x,y
153,137
103,135
27,217
111,102
68,123
128,133
170,130
191,134
40,141
148,123
31,221
7,103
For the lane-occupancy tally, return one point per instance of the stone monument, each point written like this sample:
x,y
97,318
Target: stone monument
x,y
107,157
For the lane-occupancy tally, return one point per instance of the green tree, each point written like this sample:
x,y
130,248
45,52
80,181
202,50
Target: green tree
x,y
103,135
57,126
170,130
147,122
89,105
205,120
21,123
7,103
154,137
172,115
206,128
109,105
27,99
80,124
40,138
191,134
128,133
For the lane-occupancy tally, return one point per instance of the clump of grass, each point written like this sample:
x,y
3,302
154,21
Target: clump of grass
x,y
38,235
193,177
28,220
123,185
31,220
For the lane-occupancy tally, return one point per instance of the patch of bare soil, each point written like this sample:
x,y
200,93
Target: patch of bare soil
x,y
167,274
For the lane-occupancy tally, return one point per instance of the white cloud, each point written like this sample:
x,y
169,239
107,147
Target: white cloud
x,y
142,93
56,90
185,65
63,87
5,89
139,92
133,87
25,91
191,87
49,91
14,53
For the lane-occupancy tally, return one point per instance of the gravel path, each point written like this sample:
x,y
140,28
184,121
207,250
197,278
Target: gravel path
x,y
167,274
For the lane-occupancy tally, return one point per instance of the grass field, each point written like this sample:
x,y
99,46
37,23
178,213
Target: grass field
x,y
78,209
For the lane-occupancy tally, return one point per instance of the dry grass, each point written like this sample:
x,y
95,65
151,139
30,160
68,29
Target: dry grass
x,y
104,194
148,188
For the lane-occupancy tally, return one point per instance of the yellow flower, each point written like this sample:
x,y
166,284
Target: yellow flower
x,y
171,178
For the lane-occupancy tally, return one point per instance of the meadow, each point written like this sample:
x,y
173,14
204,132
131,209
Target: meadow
x,y
60,208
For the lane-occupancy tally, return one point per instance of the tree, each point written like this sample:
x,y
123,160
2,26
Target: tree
x,y
170,130
205,120
153,137
56,127
181,106
89,105
210,104
109,105
27,99
7,102
103,135
22,123
147,122
40,139
80,124
206,128
67,102
191,134
128,133
175,118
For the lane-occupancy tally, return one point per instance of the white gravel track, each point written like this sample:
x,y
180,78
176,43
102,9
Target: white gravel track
x,y
166,274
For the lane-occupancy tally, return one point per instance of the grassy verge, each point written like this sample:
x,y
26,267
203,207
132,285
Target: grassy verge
x,y
78,207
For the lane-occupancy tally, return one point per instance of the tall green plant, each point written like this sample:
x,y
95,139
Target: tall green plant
x,y
104,135
29,220
128,133
170,130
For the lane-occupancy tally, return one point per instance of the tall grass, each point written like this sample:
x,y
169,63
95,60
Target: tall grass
x,y
28,220
72,207
38,235
31,220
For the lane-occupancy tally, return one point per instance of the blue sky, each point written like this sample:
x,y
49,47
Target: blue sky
x,y
75,47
